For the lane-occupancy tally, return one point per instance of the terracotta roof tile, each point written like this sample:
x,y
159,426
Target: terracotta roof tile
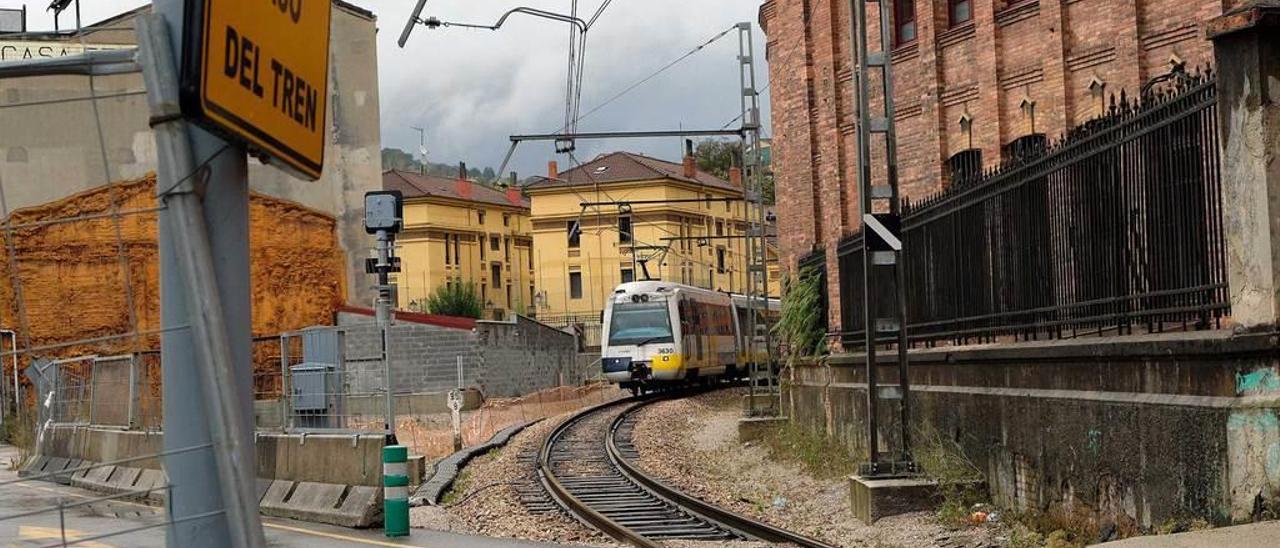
x,y
414,185
617,167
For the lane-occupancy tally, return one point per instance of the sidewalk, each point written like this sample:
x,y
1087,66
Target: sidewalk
x,y
1254,535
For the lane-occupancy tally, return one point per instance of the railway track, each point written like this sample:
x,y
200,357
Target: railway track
x,y
587,466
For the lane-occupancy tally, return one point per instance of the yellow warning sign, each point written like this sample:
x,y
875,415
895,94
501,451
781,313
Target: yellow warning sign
x,y
259,71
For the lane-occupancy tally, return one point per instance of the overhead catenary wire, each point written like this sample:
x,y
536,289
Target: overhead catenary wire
x,y
651,76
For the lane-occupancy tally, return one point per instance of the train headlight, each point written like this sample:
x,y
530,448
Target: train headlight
x,y
666,358
644,298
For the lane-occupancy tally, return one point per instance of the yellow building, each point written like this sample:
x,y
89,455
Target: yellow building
x,y
582,254
459,231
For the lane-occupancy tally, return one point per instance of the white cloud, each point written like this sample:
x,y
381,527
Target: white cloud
x,y
473,88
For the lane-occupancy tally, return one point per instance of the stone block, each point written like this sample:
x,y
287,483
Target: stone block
x,y
343,505
757,428
154,481
763,403
124,478
95,479
872,499
34,467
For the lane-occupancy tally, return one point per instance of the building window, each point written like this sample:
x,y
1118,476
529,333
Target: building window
x,y
495,243
484,292
457,257
508,296
961,12
624,230
720,260
575,285
480,217
628,275
529,256
495,270
966,164
506,249
719,228
708,201
506,220
482,252
904,22
1025,147
575,234
448,257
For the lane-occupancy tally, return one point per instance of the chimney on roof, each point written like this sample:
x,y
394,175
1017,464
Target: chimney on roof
x,y
514,196
690,165
462,171
735,176
553,171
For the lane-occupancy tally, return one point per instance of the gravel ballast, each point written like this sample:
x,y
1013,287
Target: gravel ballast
x,y
692,445
487,496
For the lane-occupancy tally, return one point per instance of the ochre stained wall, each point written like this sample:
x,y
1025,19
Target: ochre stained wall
x,y
62,282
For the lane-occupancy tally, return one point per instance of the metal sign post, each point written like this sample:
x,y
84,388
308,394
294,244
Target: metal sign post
x,y
204,270
882,235
384,217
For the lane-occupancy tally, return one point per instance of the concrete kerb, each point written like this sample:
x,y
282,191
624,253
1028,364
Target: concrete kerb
x,y
327,479
446,470
343,505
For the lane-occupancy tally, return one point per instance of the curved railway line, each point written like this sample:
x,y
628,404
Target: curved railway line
x,y
587,465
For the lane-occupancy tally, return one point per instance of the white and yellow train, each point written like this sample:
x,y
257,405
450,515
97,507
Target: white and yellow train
x,y
658,333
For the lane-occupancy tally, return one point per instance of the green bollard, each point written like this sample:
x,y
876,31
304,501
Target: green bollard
x,y
395,490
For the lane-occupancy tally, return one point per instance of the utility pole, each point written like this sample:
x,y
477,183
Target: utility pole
x,y
881,236
204,285
384,217
757,254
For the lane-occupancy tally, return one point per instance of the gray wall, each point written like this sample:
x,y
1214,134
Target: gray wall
x,y
1130,430
57,152
501,359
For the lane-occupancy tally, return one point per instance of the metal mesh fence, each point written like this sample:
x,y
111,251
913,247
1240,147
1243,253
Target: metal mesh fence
x,y
79,306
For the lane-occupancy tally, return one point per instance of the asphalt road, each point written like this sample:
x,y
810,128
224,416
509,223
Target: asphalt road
x,y
85,518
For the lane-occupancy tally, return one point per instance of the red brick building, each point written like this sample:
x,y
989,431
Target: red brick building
x,y
974,80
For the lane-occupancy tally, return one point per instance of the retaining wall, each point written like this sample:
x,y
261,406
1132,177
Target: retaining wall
x,y
501,359
1129,430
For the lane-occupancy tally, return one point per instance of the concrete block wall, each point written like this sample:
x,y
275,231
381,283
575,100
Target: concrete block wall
x,y
501,359
523,356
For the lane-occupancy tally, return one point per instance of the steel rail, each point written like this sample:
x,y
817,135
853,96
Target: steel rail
x,y
710,512
572,503
730,522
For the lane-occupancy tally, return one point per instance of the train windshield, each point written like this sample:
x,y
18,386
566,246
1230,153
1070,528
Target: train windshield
x,y
640,323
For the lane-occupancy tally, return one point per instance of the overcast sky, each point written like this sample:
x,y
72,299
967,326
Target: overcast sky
x,y
471,88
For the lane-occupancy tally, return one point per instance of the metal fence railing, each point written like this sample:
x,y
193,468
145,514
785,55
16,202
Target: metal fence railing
x,y
121,391
586,326
1117,226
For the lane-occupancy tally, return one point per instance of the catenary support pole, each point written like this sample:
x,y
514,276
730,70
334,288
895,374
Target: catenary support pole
x,y
204,269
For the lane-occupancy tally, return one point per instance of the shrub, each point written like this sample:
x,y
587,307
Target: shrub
x,y
800,324
456,300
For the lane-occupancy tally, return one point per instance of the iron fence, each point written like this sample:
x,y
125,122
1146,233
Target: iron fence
x,y
1117,225
586,326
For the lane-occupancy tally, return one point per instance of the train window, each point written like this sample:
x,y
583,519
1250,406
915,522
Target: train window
x,y
640,323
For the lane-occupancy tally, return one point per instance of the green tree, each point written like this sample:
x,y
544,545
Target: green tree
x,y
456,300
716,156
